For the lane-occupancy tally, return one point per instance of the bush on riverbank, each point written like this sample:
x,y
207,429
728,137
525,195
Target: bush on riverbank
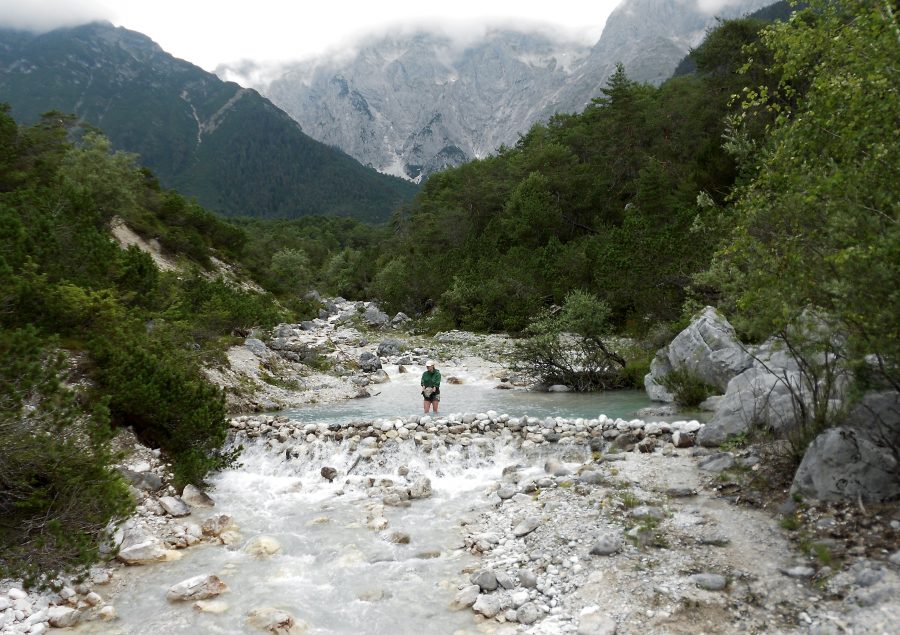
x,y
59,492
140,336
570,346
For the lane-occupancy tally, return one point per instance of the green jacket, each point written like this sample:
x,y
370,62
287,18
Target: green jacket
x,y
431,379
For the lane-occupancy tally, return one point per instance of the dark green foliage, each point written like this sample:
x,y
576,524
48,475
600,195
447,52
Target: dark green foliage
x,y
569,346
58,493
140,335
689,390
815,221
603,201
166,403
227,146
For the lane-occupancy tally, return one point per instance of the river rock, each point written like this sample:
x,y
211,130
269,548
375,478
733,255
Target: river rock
x,y
506,491
647,512
215,525
210,606
593,622
505,581
107,613
199,587
528,613
527,579
709,581
390,346
276,621
555,467
708,348
373,316
257,347
369,362
800,571
195,497
526,526
148,550
756,397
62,616
420,488
486,580
262,546
717,462
399,538
466,597
146,481
681,439
487,605
845,464
175,506
328,473
379,377
606,546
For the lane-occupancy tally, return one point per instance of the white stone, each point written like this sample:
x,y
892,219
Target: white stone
x,y
262,546
199,587
62,616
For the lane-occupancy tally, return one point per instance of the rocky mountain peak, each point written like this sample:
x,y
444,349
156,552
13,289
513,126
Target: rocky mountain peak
x,y
413,102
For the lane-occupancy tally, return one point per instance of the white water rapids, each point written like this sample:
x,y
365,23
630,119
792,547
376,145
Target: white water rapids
x,y
332,572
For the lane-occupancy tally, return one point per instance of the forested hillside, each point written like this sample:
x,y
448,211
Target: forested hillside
x,y
765,183
603,201
134,337
228,147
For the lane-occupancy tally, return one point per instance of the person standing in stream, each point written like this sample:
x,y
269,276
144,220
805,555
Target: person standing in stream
x,y
431,386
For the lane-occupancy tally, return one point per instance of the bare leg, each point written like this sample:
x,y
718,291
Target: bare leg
x,y
426,406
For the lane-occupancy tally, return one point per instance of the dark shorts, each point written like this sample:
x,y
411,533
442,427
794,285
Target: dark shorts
x,y
434,397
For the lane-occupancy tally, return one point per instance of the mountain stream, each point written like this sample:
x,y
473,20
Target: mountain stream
x,y
332,572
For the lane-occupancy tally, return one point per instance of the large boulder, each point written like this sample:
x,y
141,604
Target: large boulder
x,y
768,394
857,460
257,347
369,362
753,398
195,497
708,348
136,546
390,346
843,464
878,415
373,316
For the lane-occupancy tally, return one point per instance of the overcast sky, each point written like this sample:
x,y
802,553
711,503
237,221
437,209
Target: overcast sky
x,y
210,32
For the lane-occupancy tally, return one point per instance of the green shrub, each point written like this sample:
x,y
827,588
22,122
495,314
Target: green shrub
x,y
168,404
58,491
689,390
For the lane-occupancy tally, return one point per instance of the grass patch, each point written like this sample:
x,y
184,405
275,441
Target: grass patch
x,y
790,523
736,441
629,500
280,382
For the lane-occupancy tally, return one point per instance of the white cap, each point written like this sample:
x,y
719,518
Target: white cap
x,y
429,363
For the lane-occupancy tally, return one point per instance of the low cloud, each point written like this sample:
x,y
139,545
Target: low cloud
x,y
46,15
459,35
712,6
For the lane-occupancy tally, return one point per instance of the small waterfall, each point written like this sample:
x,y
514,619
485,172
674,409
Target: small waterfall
x,y
332,570
354,555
